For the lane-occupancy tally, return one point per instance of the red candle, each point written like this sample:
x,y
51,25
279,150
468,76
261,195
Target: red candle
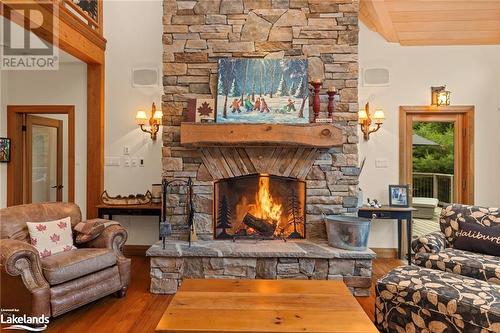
x,y
316,101
331,101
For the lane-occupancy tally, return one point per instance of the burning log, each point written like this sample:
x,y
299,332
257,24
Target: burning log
x,y
264,227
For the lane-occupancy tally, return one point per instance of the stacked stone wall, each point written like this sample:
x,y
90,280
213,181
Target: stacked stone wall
x,y
198,33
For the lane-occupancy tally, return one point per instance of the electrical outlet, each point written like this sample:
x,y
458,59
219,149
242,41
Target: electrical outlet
x,y
126,150
134,162
126,162
141,162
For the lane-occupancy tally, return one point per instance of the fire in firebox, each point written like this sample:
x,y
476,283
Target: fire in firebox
x,y
259,206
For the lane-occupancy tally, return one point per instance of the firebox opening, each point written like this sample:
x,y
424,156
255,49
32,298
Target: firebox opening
x,y
259,206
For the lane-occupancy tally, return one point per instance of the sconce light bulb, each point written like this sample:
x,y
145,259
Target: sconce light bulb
x,y
141,117
362,116
443,98
158,115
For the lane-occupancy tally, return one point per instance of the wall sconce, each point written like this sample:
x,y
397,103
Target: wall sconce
x,y
365,120
440,96
154,121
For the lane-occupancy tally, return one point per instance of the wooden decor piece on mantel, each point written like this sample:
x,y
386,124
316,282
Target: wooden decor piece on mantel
x,y
238,135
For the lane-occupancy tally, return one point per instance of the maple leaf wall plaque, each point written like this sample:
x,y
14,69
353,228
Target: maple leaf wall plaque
x,y
205,110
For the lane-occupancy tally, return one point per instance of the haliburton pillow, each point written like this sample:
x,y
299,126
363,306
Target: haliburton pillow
x,y
51,237
478,238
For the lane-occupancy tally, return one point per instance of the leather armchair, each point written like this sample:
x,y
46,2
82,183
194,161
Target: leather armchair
x,y
59,283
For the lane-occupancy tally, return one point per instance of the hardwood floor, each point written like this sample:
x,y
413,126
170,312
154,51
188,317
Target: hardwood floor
x,y
140,311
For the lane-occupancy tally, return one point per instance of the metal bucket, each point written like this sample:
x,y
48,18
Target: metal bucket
x,y
347,232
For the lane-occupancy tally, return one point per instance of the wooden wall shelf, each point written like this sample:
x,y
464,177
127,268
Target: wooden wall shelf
x,y
243,135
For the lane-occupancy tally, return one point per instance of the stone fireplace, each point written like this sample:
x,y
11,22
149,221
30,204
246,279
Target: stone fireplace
x,y
259,206
196,35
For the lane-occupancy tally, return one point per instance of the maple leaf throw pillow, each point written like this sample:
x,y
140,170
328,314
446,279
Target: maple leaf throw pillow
x,y
51,237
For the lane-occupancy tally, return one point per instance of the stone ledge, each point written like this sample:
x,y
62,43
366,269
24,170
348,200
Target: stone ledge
x,y
255,249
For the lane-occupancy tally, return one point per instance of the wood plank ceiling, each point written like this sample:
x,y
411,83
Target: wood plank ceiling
x,y
432,22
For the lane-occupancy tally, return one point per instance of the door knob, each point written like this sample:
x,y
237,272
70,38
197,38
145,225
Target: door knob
x,y
57,187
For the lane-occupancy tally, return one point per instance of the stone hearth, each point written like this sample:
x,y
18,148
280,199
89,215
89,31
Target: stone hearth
x,y
257,260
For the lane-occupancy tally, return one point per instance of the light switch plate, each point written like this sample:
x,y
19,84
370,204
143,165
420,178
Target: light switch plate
x,y
126,150
134,162
126,162
112,161
381,163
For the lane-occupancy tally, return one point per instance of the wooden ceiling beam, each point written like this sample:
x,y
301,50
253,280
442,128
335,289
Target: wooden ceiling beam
x,y
381,20
453,26
435,5
437,16
450,38
433,22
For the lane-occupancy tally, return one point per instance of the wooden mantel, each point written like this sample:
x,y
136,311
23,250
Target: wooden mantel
x,y
244,135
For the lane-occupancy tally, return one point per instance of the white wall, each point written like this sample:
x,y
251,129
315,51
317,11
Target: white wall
x,y
133,30
66,86
471,73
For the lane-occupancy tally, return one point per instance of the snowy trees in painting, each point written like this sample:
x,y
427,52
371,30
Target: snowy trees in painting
x,y
262,91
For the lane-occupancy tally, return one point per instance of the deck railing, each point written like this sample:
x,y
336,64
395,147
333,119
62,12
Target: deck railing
x,y
87,11
433,185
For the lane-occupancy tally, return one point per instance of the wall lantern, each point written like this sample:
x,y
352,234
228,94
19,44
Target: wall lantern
x,y
440,96
365,120
154,121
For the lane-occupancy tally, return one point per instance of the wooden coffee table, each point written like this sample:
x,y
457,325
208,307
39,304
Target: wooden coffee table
x,y
264,306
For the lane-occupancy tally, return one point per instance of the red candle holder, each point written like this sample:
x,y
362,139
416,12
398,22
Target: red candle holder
x,y
316,101
331,101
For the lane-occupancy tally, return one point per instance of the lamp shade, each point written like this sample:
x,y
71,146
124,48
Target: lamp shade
x,y
158,115
362,116
141,117
379,116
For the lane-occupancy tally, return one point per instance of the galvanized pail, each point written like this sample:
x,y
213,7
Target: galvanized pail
x,y
347,232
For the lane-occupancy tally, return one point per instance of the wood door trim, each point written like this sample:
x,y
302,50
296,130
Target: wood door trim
x,y
14,119
465,120
95,137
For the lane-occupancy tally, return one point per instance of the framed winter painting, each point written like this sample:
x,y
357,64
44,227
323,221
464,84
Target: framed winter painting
x,y
262,91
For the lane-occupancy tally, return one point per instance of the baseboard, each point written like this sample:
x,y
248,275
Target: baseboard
x,y
385,253
135,250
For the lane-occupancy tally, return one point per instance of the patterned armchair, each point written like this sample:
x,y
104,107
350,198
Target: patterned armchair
x,y
436,249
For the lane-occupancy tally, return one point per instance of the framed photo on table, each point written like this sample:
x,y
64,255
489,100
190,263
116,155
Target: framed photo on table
x,y
399,195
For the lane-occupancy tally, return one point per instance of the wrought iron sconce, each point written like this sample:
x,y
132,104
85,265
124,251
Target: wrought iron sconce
x,y
154,121
440,96
365,120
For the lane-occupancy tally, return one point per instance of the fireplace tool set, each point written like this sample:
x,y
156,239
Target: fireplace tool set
x,y
165,225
